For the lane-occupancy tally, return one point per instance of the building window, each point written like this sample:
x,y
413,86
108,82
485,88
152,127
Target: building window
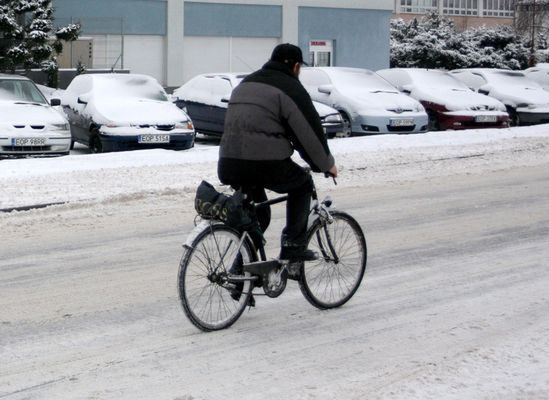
x,y
498,8
460,7
490,8
418,6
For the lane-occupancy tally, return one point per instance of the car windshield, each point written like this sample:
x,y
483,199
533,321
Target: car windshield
x,y
364,80
437,79
20,90
117,86
511,78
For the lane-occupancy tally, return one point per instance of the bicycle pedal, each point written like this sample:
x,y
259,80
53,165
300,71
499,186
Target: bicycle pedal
x,y
261,268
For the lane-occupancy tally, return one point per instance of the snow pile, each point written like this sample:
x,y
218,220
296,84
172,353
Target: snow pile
x,y
362,161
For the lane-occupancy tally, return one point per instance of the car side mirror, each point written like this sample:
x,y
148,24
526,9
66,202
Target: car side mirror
x,y
326,89
55,102
405,89
484,89
225,99
82,101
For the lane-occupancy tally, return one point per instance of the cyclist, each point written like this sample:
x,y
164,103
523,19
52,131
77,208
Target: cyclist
x,y
270,115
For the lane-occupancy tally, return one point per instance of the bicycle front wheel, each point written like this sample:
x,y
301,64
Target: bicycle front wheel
x,y
334,278
209,300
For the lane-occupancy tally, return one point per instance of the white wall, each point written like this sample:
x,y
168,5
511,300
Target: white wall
x,y
221,54
146,55
143,54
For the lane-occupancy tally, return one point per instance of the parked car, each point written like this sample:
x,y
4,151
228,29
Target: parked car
x,y
367,102
526,102
539,74
450,104
110,112
205,98
28,123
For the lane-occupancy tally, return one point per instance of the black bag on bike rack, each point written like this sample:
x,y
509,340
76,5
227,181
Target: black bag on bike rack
x,y
210,204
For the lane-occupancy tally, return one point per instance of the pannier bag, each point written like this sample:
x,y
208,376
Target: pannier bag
x,y
210,204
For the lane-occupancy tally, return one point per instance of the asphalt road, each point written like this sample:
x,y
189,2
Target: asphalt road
x,y
453,305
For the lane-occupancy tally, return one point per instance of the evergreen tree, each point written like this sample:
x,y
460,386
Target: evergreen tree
x,y
27,36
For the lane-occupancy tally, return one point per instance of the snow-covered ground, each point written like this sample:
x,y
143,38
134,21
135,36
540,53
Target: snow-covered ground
x,y
362,160
454,304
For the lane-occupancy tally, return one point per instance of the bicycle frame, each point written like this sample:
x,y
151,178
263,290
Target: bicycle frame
x,y
318,210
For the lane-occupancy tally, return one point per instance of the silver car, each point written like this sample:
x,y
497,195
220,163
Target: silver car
x,y
366,101
526,101
29,125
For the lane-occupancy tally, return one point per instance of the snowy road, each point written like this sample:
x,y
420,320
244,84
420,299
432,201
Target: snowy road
x,y
453,306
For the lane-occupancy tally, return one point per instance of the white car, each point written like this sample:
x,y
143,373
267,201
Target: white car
x,y
28,123
526,101
450,104
539,74
205,98
110,112
367,102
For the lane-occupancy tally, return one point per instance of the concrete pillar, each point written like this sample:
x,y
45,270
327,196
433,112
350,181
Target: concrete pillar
x,y
174,43
290,16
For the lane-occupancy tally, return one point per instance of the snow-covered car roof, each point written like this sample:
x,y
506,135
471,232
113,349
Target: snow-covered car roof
x,y
127,85
233,77
15,77
357,78
505,76
539,74
430,78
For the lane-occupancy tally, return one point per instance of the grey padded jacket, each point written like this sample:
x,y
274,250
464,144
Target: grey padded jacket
x,y
270,114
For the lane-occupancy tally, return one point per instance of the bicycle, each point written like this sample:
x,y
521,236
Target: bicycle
x,y
214,297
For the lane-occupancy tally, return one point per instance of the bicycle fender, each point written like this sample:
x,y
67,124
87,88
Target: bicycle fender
x,y
197,230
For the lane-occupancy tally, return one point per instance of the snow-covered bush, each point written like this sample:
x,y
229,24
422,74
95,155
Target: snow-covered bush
x,y
434,42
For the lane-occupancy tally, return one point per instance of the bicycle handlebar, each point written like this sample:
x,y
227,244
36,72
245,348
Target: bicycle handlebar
x,y
328,175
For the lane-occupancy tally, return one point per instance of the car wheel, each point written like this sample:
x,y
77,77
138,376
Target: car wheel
x,y
347,129
434,124
95,143
513,116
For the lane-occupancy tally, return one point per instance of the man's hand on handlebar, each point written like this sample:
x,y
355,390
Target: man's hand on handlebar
x,y
332,173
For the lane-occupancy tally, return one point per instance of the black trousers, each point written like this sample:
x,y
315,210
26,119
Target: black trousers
x,y
280,176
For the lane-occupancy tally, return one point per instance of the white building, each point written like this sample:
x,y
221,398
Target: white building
x,y
174,40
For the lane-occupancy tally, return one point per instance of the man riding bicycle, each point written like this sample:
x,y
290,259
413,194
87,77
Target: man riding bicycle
x,y
269,115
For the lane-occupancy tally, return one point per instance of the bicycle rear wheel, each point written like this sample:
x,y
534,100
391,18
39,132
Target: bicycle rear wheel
x,y
208,299
334,278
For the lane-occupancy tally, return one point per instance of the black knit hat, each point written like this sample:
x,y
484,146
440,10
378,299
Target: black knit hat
x,y
288,54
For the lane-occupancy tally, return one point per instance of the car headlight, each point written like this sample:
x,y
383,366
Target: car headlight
x,y
60,127
184,125
334,118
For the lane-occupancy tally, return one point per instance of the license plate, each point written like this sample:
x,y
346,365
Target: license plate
x,y
486,118
402,122
153,139
28,141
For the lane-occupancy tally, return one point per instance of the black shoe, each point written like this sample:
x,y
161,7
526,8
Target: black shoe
x,y
236,269
297,254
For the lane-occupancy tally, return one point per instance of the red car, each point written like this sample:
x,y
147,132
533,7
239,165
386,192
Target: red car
x,y
449,103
